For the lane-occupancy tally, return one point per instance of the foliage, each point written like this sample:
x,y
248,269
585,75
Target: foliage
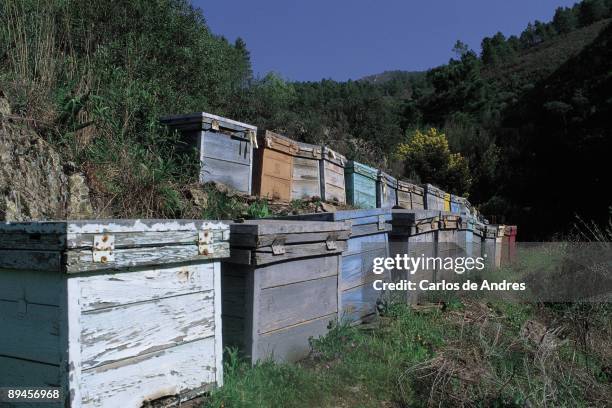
x,y
427,155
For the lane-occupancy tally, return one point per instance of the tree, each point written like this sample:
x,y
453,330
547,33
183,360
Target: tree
x,y
426,156
564,20
591,11
460,49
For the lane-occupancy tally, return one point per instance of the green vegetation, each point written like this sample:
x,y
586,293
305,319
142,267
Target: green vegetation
x,y
469,354
527,116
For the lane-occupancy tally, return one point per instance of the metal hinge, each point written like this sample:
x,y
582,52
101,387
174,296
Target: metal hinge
x,y
381,222
278,247
331,243
103,248
214,124
205,242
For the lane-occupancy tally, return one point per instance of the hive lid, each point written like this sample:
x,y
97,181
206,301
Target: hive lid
x,y
274,141
363,222
308,151
409,187
433,190
260,242
362,169
88,245
387,178
333,156
206,121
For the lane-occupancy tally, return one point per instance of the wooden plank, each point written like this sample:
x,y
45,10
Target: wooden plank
x,y
332,182
250,240
32,241
144,239
277,169
235,175
30,260
358,303
300,270
204,117
224,147
23,373
82,260
357,268
218,325
278,307
305,178
30,331
291,344
366,243
40,287
113,334
263,256
132,382
122,288
73,228
268,227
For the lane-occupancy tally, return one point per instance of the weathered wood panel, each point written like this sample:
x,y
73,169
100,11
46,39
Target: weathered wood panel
x,y
386,191
30,331
23,373
278,307
42,287
305,178
332,176
359,303
357,269
113,334
292,343
122,288
130,383
30,260
249,240
232,174
225,147
273,166
301,270
360,185
82,260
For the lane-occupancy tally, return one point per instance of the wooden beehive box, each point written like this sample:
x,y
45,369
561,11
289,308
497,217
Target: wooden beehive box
x,y
306,180
447,202
225,147
455,204
410,196
115,313
360,185
478,238
434,197
386,191
357,298
465,239
490,248
509,244
332,176
280,285
448,241
273,166
415,233
465,207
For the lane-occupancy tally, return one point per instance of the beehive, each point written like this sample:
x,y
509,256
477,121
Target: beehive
x,y
455,204
280,285
449,237
447,202
369,239
273,166
478,237
414,232
465,207
386,191
306,181
360,185
409,196
434,198
490,249
509,244
465,239
115,313
225,147
332,176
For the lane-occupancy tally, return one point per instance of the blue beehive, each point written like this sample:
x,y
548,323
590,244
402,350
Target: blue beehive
x,y
455,204
360,185
357,297
386,191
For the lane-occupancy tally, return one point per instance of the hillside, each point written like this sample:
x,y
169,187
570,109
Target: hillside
x,y
95,93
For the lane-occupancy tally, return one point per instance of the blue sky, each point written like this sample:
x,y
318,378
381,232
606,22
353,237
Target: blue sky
x,y
348,39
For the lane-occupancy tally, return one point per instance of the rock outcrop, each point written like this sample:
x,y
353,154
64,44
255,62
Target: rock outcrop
x,y
33,183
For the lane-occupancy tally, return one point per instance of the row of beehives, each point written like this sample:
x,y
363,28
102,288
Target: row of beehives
x,y
117,313
274,166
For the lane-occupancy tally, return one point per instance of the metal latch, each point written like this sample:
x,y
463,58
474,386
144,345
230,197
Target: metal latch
x,y
205,242
278,247
103,248
253,138
381,222
214,124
